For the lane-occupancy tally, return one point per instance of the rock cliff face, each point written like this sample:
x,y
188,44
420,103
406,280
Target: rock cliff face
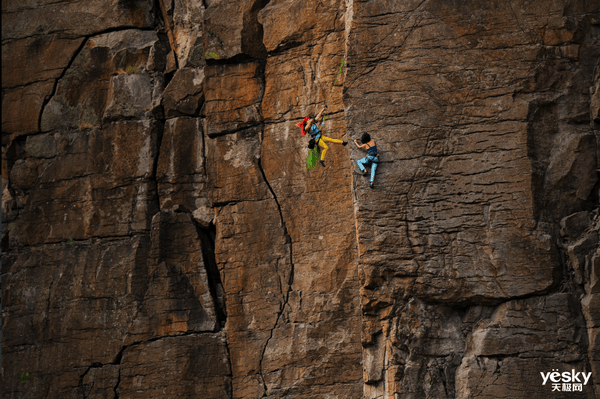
x,y
162,236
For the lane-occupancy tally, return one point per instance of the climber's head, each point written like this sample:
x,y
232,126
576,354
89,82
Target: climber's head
x,y
365,138
304,124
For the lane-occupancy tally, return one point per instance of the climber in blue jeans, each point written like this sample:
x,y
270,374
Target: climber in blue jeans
x,y
371,158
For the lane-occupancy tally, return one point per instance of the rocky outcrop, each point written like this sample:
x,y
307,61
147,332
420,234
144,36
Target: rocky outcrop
x,y
162,236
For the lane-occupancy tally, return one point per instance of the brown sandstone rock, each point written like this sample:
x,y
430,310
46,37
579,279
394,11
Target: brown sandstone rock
x,y
474,118
233,94
89,298
180,173
231,28
104,75
184,96
162,236
100,177
187,366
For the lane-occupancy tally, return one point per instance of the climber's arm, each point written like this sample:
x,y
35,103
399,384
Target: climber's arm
x,y
360,146
320,115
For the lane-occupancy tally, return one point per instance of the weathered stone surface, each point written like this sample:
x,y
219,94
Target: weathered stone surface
x,y
18,120
25,19
522,339
189,366
51,52
162,237
595,101
129,96
232,94
93,82
40,39
184,293
100,382
183,22
180,173
99,183
231,28
477,117
254,283
573,225
233,165
184,96
89,297
316,335
584,263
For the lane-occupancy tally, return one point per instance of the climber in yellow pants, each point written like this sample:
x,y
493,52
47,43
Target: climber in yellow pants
x,y
321,141
309,125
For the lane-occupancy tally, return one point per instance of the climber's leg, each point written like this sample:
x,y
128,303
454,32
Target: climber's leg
x,y
331,140
361,164
323,146
373,167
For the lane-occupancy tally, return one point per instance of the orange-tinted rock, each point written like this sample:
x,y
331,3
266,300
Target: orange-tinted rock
x,y
181,174
90,297
189,366
18,120
108,73
98,187
181,295
184,96
162,235
233,94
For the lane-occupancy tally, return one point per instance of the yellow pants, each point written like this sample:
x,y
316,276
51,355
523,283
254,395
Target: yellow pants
x,y
324,146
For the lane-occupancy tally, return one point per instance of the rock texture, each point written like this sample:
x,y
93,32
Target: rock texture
x,y
162,237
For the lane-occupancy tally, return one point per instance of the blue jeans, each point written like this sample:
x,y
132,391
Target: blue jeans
x,y
369,159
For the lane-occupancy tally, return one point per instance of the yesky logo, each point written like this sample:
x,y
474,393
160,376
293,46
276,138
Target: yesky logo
x,y
567,381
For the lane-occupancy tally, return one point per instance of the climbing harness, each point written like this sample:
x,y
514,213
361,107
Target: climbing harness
x,y
372,151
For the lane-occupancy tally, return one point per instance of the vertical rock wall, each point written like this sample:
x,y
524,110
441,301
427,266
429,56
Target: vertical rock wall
x,y
161,236
481,112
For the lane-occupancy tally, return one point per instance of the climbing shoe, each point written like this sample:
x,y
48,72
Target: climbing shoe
x,y
344,142
322,163
372,185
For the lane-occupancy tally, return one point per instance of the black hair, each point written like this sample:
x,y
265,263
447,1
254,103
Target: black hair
x,y
365,138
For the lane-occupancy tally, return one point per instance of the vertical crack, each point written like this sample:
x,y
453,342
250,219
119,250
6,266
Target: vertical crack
x,y
117,362
215,285
57,81
160,130
85,394
288,240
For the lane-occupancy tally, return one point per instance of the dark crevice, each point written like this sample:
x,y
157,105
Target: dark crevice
x,y
154,177
57,81
158,16
291,278
285,46
235,60
82,389
72,60
252,32
233,131
207,242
